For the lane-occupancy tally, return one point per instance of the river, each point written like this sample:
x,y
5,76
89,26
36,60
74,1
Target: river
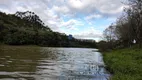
x,y
47,63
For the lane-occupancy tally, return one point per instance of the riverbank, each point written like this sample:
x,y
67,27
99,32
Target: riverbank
x,y
124,64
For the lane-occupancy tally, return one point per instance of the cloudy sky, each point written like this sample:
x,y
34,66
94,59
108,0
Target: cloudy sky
x,y
85,19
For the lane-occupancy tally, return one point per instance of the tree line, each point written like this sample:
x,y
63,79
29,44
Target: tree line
x,y
26,28
127,30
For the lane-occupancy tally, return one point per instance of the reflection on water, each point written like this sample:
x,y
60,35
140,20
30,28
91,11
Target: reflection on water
x,y
51,64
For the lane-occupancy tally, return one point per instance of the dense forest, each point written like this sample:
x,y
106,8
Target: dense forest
x,y
127,30
26,28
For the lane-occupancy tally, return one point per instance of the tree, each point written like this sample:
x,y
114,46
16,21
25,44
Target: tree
x,y
128,26
135,17
109,33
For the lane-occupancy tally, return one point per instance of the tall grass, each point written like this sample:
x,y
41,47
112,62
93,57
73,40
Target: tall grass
x,y
124,64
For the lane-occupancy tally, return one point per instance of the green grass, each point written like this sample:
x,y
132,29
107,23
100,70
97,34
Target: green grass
x,y
124,64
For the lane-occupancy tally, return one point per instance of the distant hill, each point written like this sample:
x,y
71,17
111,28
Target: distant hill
x,y
26,28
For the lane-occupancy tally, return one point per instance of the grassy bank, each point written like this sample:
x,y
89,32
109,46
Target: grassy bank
x,y
124,64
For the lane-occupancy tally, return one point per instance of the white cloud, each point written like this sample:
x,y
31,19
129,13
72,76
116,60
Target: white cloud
x,y
90,33
71,22
91,6
53,12
94,16
106,10
61,9
65,6
78,4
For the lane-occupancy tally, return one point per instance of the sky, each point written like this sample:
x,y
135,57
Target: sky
x,y
84,19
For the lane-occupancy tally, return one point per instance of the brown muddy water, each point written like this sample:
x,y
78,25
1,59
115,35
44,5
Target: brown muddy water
x,y
45,63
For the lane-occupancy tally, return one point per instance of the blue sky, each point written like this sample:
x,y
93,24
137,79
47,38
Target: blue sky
x,y
85,19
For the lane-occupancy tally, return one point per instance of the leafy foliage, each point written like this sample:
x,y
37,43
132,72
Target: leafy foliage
x,y
127,29
25,28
